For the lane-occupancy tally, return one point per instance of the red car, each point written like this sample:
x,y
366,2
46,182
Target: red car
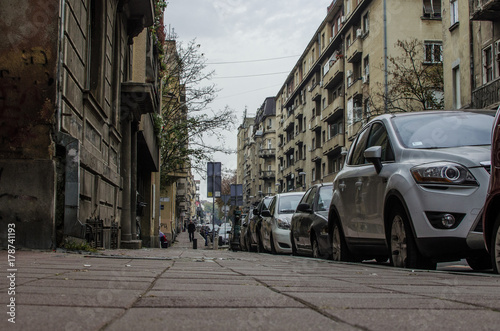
x,y
491,216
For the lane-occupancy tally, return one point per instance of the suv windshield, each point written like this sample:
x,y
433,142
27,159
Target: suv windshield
x,y
438,130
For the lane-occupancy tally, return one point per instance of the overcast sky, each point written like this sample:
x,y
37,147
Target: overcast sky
x,y
247,31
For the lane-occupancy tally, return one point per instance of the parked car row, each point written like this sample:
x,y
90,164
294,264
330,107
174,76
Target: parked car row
x,y
412,191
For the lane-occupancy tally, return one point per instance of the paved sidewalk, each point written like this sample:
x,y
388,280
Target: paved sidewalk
x,y
181,288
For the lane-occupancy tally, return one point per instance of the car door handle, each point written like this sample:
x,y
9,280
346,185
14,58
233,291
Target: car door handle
x,y
358,185
342,186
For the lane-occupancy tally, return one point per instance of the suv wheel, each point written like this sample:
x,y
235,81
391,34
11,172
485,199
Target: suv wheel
x,y
340,252
404,251
495,246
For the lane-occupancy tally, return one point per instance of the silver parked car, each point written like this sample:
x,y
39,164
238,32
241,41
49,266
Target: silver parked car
x,y
275,227
412,190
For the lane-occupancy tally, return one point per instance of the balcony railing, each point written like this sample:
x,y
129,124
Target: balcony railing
x,y
484,10
334,143
334,109
268,174
486,96
264,153
353,53
335,74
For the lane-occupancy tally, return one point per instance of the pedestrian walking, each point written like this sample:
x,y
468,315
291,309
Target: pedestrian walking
x,y
191,229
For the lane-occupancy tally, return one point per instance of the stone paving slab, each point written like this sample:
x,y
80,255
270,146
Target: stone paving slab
x,y
229,319
182,288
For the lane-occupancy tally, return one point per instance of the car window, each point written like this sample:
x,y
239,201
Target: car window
x,y
312,193
324,197
378,137
438,130
272,205
357,155
266,203
288,204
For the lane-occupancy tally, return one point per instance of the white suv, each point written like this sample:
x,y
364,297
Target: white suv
x,y
412,190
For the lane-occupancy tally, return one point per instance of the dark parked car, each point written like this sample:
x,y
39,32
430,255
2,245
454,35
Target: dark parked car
x,y
309,226
253,232
491,215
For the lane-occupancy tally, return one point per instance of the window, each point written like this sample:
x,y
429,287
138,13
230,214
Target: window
x,y
366,69
348,39
433,52
269,144
366,23
95,65
347,7
453,12
497,56
487,65
432,8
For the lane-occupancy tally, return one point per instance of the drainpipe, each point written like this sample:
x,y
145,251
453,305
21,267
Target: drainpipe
x,y
386,87
125,172
62,22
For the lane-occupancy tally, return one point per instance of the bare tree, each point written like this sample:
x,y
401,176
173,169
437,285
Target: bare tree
x,y
191,131
415,80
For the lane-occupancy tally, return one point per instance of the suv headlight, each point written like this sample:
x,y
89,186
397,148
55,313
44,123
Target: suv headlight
x,y
443,173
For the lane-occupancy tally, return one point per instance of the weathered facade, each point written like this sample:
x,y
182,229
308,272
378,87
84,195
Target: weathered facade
x,y
79,85
471,54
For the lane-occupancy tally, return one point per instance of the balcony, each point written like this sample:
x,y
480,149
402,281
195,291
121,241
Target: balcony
x,y
300,164
487,96
355,88
354,52
315,123
269,174
336,142
265,153
484,10
316,91
138,99
316,154
334,110
334,75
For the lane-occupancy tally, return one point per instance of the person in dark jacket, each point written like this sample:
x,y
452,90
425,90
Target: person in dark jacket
x,y
191,229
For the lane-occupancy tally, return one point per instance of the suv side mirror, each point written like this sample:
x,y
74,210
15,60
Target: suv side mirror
x,y
265,213
256,212
374,155
304,207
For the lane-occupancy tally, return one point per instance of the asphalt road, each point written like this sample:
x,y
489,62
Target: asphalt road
x,y
181,288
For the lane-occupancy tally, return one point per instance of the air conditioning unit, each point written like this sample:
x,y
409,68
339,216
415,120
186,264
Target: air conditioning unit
x,y
342,19
365,79
321,83
331,38
359,33
309,88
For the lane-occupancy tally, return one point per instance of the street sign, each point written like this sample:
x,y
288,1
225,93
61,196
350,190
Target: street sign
x,y
213,179
237,194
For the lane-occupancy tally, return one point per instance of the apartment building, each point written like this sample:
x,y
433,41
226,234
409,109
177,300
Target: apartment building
x,y
325,99
485,17
79,82
265,140
247,160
